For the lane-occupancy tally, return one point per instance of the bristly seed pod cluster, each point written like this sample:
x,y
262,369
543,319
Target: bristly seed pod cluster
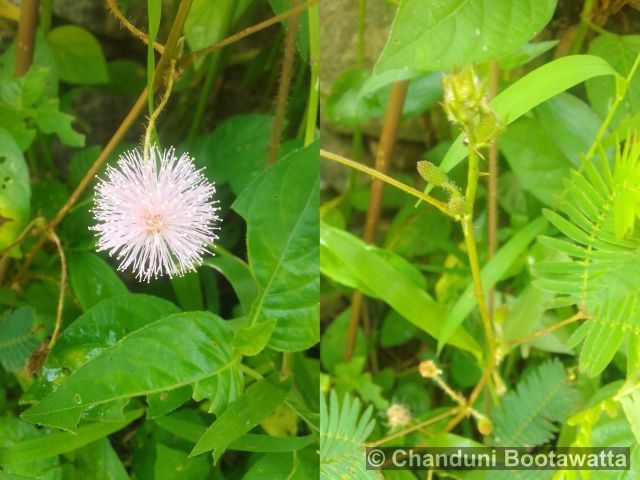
x,y
465,103
436,177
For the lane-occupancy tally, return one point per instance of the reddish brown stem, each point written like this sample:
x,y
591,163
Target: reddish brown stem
x,y
288,58
26,36
383,159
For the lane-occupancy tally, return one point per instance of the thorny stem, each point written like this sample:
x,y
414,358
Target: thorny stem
x,y
388,136
156,112
63,280
391,181
26,36
415,427
113,7
286,74
578,316
191,57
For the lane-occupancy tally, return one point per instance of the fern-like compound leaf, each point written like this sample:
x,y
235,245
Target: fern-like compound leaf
x,y
343,432
600,273
526,416
16,341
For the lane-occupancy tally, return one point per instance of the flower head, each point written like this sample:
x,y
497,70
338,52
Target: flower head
x,y
156,216
398,415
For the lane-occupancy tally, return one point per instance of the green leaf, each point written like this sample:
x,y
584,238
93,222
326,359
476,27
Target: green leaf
x,y
78,55
621,52
257,402
15,192
99,461
333,267
165,402
209,22
92,279
171,464
525,416
251,340
351,377
51,120
243,138
398,291
172,352
570,123
432,35
62,442
631,406
534,88
126,77
249,442
357,97
525,54
239,276
16,341
539,165
281,211
188,291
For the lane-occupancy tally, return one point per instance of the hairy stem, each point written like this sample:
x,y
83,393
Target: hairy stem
x,y
389,180
286,74
26,38
63,280
139,34
246,32
578,316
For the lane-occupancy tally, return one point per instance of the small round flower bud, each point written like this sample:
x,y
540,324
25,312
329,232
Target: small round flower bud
x,y
457,204
398,415
485,426
428,369
432,174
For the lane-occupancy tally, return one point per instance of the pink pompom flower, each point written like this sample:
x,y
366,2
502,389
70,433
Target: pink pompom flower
x,y
157,216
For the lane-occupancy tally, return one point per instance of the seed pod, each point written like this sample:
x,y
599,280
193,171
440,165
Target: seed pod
x,y
457,205
432,174
485,426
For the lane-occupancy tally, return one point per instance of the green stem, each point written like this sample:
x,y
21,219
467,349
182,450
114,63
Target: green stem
x,y
213,68
314,65
583,26
472,181
46,12
621,92
472,252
